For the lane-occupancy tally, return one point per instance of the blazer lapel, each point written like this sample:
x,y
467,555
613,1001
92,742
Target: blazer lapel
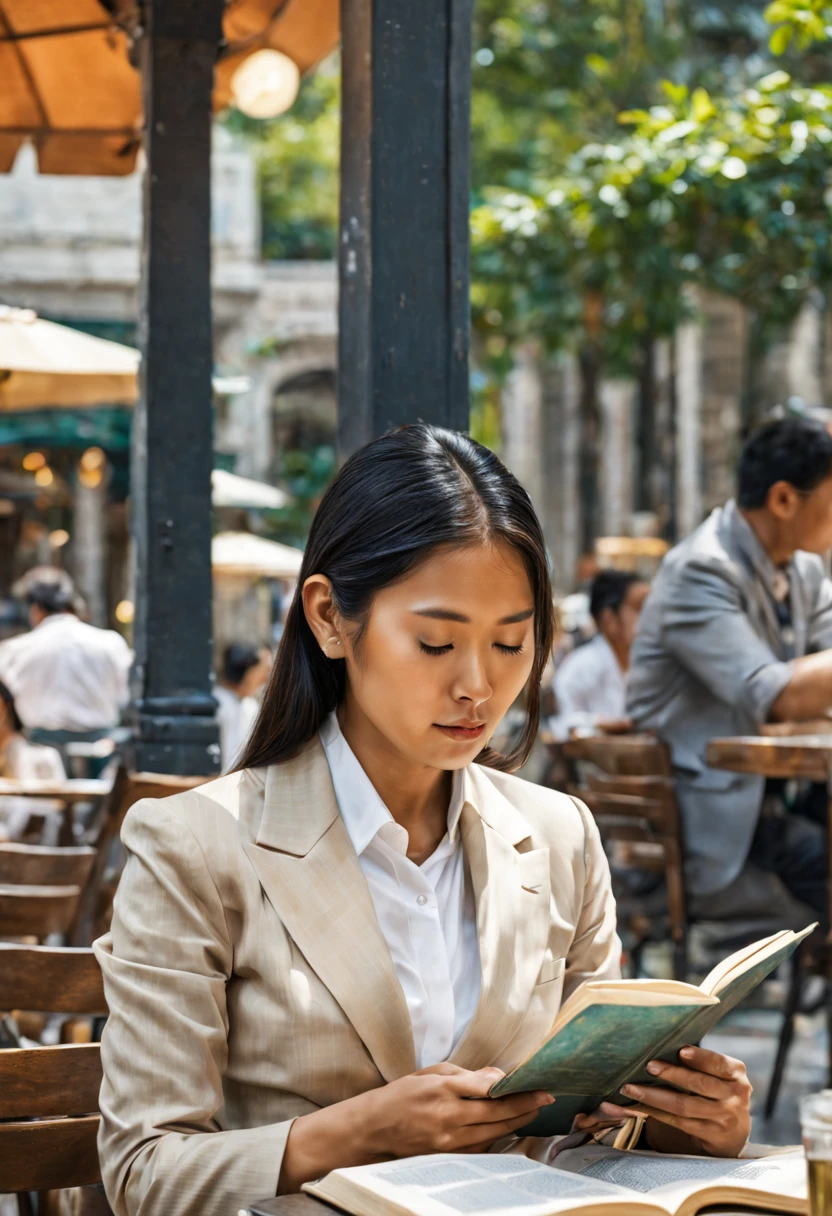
x,y
310,873
512,891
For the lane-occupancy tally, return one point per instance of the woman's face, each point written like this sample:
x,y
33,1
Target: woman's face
x,y
445,653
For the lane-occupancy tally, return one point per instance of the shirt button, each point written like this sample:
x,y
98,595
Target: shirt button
x,y
421,900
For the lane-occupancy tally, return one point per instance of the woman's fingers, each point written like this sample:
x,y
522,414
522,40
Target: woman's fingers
x,y
610,1111
496,1110
686,1105
714,1063
707,1085
466,1083
483,1134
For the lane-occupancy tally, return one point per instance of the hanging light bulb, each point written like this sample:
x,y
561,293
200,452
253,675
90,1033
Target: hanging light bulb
x,y
265,84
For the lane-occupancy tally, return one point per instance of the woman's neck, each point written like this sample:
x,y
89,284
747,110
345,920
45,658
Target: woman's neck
x,y
417,796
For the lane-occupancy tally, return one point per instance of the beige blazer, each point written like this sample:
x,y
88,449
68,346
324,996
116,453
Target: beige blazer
x,y
249,982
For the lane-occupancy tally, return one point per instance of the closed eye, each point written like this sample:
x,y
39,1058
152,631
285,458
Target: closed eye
x,y
435,649
508,649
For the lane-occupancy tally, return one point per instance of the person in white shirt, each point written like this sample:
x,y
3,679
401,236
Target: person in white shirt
x,y
245,670
69,679
590,684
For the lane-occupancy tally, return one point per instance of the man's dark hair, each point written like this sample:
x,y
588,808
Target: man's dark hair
x,y
8,700
796,450
237,659
609,590
50,589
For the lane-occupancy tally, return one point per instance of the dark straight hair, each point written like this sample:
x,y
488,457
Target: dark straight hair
x,y
395,502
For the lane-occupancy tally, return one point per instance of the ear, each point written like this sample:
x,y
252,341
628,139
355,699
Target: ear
x,y
783,501
322,615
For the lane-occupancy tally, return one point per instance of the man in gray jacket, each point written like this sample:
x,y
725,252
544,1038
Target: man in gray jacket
x,y
737,632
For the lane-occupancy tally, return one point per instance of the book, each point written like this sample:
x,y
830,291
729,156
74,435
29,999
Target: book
x,y
608,1030
588,1181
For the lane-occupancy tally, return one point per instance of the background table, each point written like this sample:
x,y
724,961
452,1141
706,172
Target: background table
x,y
67,792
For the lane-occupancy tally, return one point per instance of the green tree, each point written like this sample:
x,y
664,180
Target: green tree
x,y
297,160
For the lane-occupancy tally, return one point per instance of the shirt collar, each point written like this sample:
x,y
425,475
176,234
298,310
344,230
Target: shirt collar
x,y
361,806
52,617
776,579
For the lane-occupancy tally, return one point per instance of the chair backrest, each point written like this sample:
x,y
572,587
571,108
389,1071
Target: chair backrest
x,y
626,782
623,755
39,866
128,789
36,911
49,1095
50,979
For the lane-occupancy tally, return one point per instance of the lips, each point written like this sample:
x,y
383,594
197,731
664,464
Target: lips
x,y
463,733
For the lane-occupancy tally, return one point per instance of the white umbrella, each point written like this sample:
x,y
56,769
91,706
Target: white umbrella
x,y
229,490
44,364
243,553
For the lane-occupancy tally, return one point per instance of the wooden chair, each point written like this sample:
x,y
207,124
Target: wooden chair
x,y
49,1095
40,889
626,782
128,788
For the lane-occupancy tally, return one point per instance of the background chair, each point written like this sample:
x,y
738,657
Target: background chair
x,y
49,1095
626,782
40,889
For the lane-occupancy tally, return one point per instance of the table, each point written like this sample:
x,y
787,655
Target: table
x,y
305,1205
67,792
796,757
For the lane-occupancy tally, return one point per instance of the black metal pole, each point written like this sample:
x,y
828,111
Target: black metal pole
x,y
403,253
172,433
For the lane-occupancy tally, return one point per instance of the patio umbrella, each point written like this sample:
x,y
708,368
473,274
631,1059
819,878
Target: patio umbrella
x,y
243,553
43,364
229,490
69,84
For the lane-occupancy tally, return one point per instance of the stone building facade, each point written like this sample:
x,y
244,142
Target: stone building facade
x,y
70,249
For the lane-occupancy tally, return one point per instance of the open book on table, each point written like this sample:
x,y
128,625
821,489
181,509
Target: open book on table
x,y
589,1181
607,1031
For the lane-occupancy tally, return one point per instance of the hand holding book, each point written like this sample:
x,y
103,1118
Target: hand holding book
x,y
707,1110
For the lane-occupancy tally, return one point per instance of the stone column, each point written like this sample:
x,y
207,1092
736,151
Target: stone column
x,y
689,344
616,398
522,421
89,543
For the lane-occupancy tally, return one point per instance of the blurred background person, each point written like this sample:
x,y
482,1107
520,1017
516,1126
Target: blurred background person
x,y
244,675
590,683
737,632
69,679
21,760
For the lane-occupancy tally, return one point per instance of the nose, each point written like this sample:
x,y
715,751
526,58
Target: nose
x,y
472,684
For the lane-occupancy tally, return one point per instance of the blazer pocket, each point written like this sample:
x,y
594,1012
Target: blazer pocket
x,y
551,970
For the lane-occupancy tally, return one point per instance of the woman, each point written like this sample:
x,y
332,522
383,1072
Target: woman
x,y
326,957
21,760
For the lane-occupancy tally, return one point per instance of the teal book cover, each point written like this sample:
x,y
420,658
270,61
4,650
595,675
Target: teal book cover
x,y
592,1055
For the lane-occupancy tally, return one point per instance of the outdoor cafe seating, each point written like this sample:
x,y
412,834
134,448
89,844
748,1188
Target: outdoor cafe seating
x,y
626,782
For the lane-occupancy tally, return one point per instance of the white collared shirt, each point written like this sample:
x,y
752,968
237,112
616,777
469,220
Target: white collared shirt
x,y
589,685
67,675
426,913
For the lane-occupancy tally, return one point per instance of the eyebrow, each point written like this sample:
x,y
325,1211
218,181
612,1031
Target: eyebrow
x,y
444,614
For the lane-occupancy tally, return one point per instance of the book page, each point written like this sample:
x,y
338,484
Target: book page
x,y
672,1180
447,1185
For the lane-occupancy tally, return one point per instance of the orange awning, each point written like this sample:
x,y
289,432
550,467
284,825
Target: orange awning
x,y
68,84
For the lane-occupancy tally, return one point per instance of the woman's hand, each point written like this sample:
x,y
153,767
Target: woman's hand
x,y
711,1114
442,1109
